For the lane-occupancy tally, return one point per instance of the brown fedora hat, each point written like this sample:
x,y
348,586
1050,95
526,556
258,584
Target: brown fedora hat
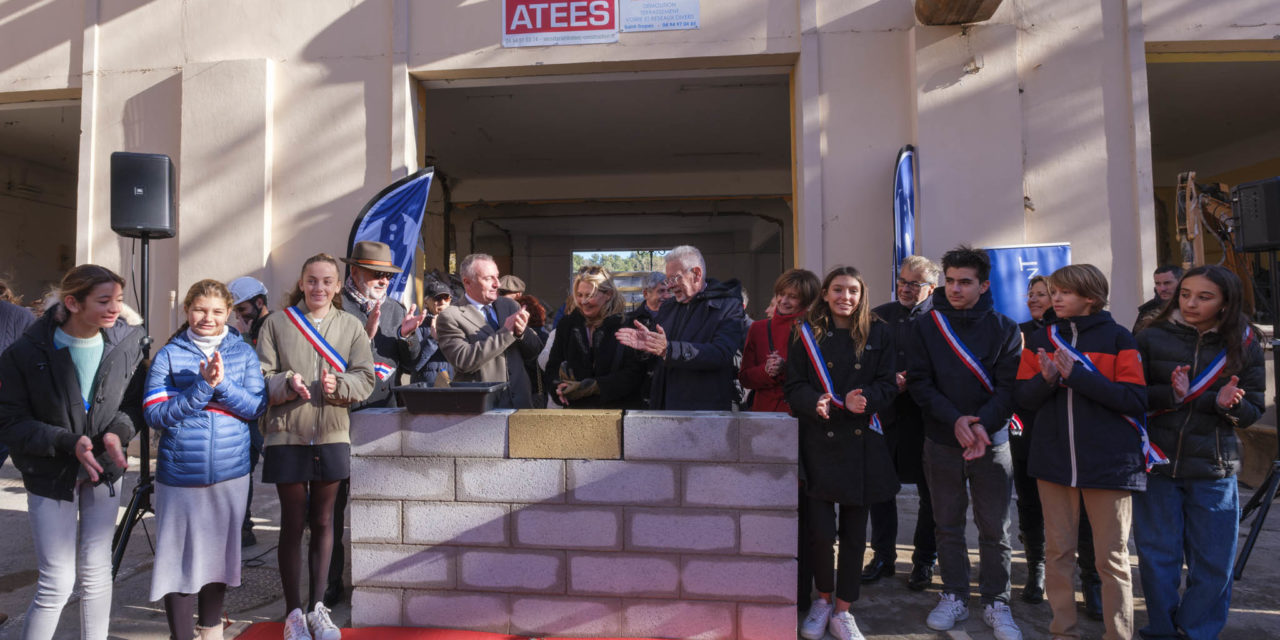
x,y
374,256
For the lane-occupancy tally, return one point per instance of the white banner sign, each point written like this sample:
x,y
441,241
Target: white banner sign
x,y
537,23
659,15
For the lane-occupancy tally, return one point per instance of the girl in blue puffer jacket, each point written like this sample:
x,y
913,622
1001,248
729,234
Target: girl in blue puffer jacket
x,y
203,389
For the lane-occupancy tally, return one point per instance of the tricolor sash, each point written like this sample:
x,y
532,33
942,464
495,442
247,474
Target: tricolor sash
x,y
1207,376
382,370
317,341
970,361
1150,452
824,376
165,394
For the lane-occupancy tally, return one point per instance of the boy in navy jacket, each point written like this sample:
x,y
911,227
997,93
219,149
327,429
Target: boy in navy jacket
x,y
1082,377
960,370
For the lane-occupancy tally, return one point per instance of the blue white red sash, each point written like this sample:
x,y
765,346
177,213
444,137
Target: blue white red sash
x,y
1210,373
970,361
1015,425
824,376
382,370
1150,452
317,341
165,394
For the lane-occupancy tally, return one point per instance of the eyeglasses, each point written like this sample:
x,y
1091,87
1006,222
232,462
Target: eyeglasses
x,y
381,275
914,286
676,279
590,270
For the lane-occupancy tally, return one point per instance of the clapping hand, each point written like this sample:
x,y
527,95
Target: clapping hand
x,y
328,381
371,323
824,406
211,369
1230,394
1064,361
516,322
1181,383
411,321
1048,370
642,339
773,364
855,401
299,386
900,379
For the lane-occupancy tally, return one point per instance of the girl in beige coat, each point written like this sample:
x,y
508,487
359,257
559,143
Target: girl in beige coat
x,y
316,360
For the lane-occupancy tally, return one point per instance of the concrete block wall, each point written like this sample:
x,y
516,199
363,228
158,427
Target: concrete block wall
x,y
690,533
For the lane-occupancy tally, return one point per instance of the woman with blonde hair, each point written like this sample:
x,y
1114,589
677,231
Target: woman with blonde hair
x,y
70,402
588,368
204,387
317,361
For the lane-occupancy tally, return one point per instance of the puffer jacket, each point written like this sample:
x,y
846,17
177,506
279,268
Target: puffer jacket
x,y
42,412
14,320
204,430
1081,437
284,351
945,388
703,337
1198,436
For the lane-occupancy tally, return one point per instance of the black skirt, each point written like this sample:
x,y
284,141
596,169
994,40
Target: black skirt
x,y
289,463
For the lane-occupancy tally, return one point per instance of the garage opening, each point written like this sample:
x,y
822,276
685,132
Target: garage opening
x,y
39,155
541,168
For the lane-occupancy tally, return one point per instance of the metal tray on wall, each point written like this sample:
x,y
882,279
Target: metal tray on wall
x,y
458,397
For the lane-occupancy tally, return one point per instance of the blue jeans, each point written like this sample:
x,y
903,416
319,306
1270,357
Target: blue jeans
x,y
1191,520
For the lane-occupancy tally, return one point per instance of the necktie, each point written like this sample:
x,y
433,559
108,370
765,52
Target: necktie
x,y
491,316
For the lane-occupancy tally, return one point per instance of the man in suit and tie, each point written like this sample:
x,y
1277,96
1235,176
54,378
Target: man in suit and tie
x,y
484,336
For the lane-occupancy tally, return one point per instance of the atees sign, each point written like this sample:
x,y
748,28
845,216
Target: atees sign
x,y
531,23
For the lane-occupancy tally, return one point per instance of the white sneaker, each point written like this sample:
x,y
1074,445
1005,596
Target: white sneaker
x,y
843,627
815,624
999,617
948,612
295,626
322,628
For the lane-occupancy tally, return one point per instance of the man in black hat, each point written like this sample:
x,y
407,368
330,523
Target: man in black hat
x,y
393,336
431,363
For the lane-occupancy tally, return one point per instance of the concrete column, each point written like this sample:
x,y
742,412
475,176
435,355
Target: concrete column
x,y
970,149
224,218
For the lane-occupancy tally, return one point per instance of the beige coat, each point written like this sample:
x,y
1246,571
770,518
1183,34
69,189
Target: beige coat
x,y
480,353
284,351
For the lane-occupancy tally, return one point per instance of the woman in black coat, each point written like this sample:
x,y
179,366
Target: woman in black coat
x,y
843,452
588,368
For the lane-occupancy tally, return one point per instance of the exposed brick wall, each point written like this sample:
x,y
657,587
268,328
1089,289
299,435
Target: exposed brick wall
x,y
692,534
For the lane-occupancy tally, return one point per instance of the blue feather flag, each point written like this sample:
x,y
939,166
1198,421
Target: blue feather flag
x,y
394,217
904,210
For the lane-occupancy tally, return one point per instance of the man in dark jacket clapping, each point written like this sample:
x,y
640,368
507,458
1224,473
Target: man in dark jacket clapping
x,y
697,335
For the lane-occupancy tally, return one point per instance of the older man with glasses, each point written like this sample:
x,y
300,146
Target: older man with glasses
x,y
914,292
697,335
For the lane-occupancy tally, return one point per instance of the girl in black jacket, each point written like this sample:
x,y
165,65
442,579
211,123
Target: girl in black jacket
x,y
1204,366
840,373
588,368
70,397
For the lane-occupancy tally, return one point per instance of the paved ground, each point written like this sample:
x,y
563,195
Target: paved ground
x,y
887,610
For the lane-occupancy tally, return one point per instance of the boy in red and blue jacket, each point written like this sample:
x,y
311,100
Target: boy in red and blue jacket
x,y
1082,378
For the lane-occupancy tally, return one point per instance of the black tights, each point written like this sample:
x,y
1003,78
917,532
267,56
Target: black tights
x,y
179,607
294,511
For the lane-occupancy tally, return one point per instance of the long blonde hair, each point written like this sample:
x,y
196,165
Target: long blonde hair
x,y
819,315
296,295
600,280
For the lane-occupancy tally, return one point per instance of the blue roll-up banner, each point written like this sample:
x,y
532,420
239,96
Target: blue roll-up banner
x,y
1013,267
394,217
904,210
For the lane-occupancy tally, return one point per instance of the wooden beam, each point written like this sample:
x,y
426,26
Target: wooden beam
x,y
950,12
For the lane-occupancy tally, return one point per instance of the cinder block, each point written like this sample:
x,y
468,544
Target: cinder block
x,y
574,617
768,437
680,435
736,578
376,432
393,565
401,478
455,523
375,521
582,434
622,482
681,619
741,486
526,481
769,534
766,622
457,435
568,527
489,612
516,571
624,574
377,607
696,530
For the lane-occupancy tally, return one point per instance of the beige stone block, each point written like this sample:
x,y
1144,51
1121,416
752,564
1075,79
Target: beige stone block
x,y
580,434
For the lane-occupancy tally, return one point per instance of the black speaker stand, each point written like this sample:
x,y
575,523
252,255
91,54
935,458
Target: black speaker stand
x,y
1266,492
140,503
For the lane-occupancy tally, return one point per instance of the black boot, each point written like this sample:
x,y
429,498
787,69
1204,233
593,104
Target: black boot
x,y
876,569
921,576
1033,544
